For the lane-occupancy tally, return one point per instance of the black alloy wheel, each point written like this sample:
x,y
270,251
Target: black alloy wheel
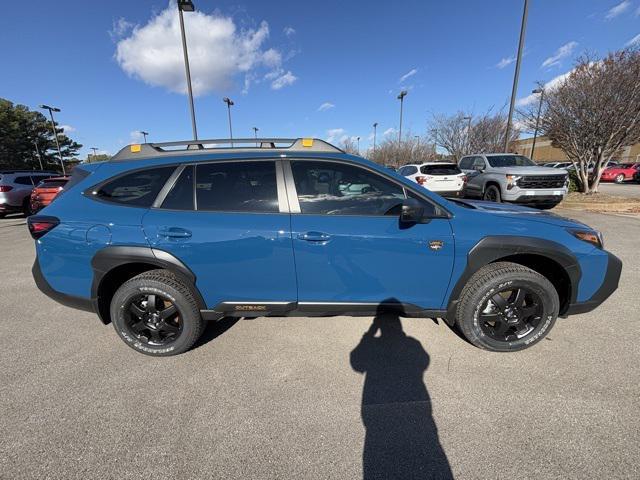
x,y
153,319
511,314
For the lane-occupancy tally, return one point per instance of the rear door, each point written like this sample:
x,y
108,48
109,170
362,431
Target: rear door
x,y
228,222
350,246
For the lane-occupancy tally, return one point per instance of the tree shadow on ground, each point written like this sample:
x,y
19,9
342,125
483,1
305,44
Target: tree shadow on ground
x,y
401,440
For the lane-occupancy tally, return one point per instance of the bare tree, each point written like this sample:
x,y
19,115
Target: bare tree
x,y
412,149
349,146
460,136
593,113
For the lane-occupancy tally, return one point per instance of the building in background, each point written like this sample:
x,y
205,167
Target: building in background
x,y
545,153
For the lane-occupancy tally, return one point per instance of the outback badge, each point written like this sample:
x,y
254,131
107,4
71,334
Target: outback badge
x,y
436,244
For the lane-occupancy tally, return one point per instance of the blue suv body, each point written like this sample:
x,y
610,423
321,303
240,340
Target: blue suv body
x,y
166,236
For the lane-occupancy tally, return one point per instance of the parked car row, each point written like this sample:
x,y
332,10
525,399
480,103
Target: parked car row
x,y
28,191
495,177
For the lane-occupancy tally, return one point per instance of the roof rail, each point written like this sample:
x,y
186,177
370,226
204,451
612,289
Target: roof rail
x,y
223,145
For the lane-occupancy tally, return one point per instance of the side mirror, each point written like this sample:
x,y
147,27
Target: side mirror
x,y
412,211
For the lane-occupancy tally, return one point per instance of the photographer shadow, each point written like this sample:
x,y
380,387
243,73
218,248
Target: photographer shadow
x,y
401,439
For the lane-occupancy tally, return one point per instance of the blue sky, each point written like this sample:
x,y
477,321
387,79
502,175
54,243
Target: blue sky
x,y
115,67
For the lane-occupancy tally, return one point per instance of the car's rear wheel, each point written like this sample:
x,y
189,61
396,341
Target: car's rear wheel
x,y
26,207
619,178
156,314
492,194
507,307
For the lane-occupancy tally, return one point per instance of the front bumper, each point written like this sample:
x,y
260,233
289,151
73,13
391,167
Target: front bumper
x,y
609,285
72,301
536,199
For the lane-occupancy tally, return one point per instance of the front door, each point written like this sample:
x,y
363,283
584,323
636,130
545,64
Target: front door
x,y
223,220
350,245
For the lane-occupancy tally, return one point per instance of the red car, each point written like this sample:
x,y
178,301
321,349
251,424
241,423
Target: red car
x,y
44,193
620,173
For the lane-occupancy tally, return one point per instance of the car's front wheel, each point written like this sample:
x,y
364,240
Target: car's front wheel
x,y
506,307
492,194
156,314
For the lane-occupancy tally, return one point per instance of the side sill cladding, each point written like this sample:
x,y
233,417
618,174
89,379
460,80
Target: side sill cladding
x,y
108,258
493,248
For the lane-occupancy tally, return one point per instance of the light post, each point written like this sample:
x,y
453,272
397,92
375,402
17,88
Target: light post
x,y
468,119
94,151
375,128
401,96
358,139
229,102
39,156
187,6
255,134
144,134
535,132
55,134
514,90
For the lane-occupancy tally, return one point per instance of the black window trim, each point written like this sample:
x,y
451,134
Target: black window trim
x,y
292,194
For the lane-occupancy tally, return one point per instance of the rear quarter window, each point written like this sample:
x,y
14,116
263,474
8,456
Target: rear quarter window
x,y
139,188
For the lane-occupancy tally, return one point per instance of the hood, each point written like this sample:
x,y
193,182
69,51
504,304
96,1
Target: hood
x,y
530,170
520,212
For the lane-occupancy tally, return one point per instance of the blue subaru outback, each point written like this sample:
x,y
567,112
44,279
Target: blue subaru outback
x,y
166,236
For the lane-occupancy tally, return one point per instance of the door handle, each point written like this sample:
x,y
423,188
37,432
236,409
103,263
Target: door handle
x,y
314,237
174,232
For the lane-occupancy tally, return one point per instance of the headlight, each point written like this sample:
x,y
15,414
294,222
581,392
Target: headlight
x,y
590,236
512,181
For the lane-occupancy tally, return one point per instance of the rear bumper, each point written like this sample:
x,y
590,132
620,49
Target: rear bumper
x,y
609,285
72,301
450,193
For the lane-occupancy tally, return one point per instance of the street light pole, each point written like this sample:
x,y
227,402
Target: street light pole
x,y
229,102
535,132
39,156
375,128
358,138
401,96
514,90
187,6
255,133
55,134
144,134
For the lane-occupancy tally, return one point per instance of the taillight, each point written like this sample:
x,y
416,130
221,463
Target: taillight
x,y
5,188
421,180
464,178
39,225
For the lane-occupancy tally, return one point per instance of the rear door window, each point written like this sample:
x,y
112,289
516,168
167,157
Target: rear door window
x,y
138,189
23,181
237,187
444,169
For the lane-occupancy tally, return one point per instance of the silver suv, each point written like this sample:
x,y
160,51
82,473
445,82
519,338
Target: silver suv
x,y
16,187
505,177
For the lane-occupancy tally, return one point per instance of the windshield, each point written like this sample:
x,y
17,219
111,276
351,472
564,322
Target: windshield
x,y
510,161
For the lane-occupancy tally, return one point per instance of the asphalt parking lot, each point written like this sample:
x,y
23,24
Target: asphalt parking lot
x,y
627,189
283,398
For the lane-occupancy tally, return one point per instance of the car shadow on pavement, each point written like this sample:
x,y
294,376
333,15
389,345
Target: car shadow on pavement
x,y
401,439
214,329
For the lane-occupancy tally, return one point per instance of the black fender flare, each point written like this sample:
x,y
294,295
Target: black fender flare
x,y
493,248
108,258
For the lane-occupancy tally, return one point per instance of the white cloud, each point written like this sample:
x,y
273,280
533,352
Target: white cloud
x,y
563,52
136,137
410,73
120,28
67,128
550,85
505,62
218,52
634,41
283,80
289,31
326,106
389,131
336,135
618,9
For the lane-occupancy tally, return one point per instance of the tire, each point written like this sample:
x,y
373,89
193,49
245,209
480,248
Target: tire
x,y
477,307
492,194
26,207
133,317
619,178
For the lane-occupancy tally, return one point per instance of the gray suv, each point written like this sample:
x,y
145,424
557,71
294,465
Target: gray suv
x,y
16,187
505,177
